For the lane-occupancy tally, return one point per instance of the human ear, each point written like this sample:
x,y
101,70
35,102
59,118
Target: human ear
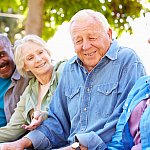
x,y
26,68
109,32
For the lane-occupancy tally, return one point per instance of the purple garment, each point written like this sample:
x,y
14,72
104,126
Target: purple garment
x,y
134,124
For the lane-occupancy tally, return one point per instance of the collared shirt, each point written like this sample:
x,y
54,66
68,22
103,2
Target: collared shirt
x,y
13,93
122,139
28,102
87,104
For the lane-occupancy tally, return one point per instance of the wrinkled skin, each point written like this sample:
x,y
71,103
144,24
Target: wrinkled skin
x,y
36,121
91,41
7,65
17,145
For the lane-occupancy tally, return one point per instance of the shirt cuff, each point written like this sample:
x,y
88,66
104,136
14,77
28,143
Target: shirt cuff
x,y
91,140
39,140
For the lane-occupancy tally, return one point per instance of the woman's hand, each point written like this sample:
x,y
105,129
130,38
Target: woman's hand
x,y
36,121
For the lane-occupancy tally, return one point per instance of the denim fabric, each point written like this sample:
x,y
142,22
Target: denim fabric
x,y
122,139
88,104
28,102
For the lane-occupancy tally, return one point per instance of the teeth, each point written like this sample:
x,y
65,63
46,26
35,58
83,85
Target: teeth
x,y
90,54
41,65
3,68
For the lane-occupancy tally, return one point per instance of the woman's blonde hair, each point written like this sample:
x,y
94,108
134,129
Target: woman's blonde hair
x,y
18,57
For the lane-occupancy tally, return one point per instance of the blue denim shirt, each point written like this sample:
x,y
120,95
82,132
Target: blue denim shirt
x,y
123,140
88,104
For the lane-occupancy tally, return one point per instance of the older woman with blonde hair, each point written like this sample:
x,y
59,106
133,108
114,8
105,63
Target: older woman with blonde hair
x,y
33,59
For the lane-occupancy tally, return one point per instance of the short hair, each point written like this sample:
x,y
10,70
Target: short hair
x,y
94,14
6,44
18,57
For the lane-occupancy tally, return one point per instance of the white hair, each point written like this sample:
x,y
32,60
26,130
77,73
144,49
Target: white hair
x,y
85,13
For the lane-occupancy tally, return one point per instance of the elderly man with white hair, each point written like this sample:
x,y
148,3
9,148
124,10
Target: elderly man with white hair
x,y
88,100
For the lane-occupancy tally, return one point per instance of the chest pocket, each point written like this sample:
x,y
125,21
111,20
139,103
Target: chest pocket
x,y
73,98
107,96
107,89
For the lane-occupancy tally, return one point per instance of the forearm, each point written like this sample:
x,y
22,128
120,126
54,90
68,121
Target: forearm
x,y
16,145
25,142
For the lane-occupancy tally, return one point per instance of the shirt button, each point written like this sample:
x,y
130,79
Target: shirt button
x,y
126,104
107,92
147,95
129,110
85,109
88,89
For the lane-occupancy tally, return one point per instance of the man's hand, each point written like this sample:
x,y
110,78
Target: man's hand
x,y
16,145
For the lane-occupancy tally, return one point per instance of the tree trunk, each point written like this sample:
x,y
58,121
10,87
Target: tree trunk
x,y
34,22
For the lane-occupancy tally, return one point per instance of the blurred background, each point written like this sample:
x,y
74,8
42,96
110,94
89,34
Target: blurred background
x,y
130,20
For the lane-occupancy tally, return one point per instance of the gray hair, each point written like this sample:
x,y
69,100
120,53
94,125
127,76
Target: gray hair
x,y
18,57
6,44
85,13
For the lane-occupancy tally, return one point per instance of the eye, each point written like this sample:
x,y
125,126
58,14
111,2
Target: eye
x,y
40,52
30,58
78,41
92,38
1,55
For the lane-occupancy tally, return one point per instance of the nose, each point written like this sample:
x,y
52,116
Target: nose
x,y
38,58
86,44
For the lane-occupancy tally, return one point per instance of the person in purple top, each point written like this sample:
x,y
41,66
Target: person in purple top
x,y
132,130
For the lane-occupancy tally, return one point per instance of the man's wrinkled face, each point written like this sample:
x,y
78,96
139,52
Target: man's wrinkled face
x,y
7,65
91,41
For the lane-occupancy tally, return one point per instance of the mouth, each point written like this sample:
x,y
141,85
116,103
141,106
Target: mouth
x,y
90,54
41,65
5,70
4,66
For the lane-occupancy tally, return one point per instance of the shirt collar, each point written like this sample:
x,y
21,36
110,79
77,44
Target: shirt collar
x,y
15,76
112,52
74,59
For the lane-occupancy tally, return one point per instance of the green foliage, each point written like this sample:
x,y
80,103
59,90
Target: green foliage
x,y
11,24
117,12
